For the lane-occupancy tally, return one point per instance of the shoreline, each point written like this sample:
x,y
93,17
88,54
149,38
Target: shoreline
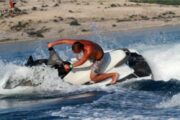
x,y
49,20
107,32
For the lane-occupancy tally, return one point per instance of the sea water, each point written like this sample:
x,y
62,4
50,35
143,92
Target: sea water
x,y
156,99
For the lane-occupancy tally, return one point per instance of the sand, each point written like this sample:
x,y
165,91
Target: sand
x,y
56,19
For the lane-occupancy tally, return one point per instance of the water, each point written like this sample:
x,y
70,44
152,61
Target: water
x,y
156,99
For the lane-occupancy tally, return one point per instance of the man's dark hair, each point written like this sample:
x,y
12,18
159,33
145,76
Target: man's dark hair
x,y
77,45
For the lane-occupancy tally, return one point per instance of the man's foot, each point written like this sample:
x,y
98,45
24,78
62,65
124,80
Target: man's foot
x,y
92,82
115,77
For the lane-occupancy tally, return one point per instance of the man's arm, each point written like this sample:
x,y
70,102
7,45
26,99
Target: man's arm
x,y
62,41
83,59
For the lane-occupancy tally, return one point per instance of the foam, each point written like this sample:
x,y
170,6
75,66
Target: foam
x,y
164,61
46,76
172,102
98,114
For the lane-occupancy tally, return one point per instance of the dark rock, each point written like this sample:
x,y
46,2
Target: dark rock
x,y
20,26
34,8
75,23
37,33
70,11
56,5
114,25
84,30
55,20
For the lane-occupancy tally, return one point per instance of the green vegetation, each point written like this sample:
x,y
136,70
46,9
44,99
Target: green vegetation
x,y
166,2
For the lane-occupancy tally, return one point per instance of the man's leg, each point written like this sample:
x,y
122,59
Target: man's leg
x,y
97,76
100,77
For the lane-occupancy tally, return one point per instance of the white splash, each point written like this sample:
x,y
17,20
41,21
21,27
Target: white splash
x,y
172,102
164,61
45,77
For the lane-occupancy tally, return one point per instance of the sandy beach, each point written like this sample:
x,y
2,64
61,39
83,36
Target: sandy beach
x,y
55,19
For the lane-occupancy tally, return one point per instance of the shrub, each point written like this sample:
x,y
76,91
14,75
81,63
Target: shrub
x,y
74,23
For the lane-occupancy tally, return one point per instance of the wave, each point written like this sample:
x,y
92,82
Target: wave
x,y
49,84
47,79
170,102
161,87
164,60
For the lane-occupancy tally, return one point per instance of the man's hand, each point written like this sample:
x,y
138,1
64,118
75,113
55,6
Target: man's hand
x,y
50,45
68,67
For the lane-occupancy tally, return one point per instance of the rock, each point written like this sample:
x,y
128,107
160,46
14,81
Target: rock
x,y
75,23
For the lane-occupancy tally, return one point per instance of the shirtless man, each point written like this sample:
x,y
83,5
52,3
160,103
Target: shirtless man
x,y
91,51
12,6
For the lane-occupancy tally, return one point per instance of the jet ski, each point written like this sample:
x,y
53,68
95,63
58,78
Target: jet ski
x,y
128,63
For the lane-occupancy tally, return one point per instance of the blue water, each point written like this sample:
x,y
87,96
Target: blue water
x,y
157,99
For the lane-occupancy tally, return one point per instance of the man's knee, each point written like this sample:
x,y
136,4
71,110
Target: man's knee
x,y
93,76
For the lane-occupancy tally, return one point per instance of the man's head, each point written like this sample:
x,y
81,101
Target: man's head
x,y
77,47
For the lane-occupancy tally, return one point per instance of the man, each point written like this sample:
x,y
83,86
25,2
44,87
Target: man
x,y
90,51
12,6
12,3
